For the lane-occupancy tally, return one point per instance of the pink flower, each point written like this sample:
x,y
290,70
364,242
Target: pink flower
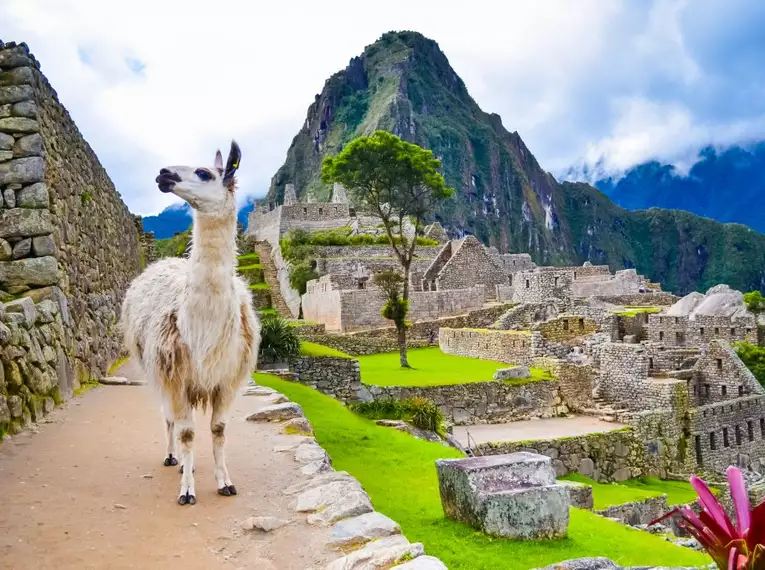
x,y
732,547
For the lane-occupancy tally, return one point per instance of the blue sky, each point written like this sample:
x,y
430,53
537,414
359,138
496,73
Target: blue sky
x,y
588,82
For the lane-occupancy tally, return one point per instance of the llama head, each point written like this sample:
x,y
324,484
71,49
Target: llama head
x,y
207,190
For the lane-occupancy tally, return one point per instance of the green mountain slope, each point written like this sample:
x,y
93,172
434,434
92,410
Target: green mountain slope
x,y
404,84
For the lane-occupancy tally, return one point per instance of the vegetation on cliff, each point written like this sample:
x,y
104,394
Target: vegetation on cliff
x,y
404,84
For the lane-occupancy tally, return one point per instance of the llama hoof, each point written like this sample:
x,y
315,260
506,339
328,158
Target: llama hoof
x,y
170,461
193,470
227,490
187,499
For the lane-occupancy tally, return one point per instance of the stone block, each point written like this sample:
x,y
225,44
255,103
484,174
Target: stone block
x,y
31,271
512,496
15,57
580,495
5,155
15,93
28,145
26,307
512,372
277,413
24,222
22,248
6,141
34,196
19,125
22,170
6,250
362,529
24,109
16,76
43,245
9,196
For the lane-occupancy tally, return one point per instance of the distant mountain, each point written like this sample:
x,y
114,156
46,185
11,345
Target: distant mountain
x,y
177,218
404,84
727,186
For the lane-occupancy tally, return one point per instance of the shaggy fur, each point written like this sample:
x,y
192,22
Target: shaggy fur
x,y
191,326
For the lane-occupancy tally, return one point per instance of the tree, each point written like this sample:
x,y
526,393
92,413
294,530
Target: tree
x,y
755,302
399,182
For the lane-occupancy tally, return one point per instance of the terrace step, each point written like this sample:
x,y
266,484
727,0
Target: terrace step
x,y
263,249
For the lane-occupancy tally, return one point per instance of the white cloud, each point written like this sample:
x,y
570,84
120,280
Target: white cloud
x,y
168,82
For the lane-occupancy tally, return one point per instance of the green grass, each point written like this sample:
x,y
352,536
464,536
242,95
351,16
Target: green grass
x,y
254,286
248,258
264,312
398,472
251,266
313,349
632,311
608,494
431,367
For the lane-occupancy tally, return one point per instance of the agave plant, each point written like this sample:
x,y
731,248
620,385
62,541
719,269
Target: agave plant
x,y
732,547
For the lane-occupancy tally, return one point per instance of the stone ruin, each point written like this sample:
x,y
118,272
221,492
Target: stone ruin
x,y
507,496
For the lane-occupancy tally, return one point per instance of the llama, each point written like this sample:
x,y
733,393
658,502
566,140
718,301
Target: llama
x,y
190,323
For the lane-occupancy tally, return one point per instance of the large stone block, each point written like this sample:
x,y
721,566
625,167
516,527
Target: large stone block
x,y
6,141
15,57
19,125
39,271
15,93
34,196
16,76
22,170
28,145
511,496
25,222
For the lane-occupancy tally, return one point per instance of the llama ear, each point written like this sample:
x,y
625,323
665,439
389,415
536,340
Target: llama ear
x,y
234,156
219,162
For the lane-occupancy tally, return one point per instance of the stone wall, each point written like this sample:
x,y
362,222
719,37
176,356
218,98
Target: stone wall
x,y
541,286
624,282
35,372
348,310
637,513
61,214
527,315
701,330
291,296
470,264
336,377
606,457
514,262
369,251
484,402
648,299
512,347
567,327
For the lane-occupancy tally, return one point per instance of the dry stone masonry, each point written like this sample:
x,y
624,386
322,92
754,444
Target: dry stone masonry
x,y
68,247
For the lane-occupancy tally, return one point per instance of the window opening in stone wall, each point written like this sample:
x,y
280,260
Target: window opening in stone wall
x,y
713,441
750,429
527,284
433,285
574,275
724,390
719,363
650,363
581,324
698,449
701,331
740,390
695,391
320,210
352,212
726,441
732,331
565,324
762,427
556,282
706,390
739,437
677,320
661,335
305,211
717,330
680,338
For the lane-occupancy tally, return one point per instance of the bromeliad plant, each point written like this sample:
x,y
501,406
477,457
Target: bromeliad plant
x,y
732,547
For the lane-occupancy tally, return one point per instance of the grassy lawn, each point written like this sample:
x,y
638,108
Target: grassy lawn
x,y
313,349
632,311
248,258
250,266
608,494
399,473
258,286
431,367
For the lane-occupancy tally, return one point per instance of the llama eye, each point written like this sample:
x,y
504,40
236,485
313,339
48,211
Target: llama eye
x,y
203,175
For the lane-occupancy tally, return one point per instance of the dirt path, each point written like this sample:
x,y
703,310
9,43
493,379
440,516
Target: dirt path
x,y
89,491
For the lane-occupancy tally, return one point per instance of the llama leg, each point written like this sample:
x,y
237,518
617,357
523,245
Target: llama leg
x,y
184,430
218,428
170,456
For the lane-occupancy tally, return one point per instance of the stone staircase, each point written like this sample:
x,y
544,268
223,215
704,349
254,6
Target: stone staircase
x,y
263,249
605,410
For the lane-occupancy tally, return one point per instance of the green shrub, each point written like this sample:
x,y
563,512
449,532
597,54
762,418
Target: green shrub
x,y
420,412
300,274
754,358
362,239
279,342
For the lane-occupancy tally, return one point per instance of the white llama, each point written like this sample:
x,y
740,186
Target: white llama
x,y
190,322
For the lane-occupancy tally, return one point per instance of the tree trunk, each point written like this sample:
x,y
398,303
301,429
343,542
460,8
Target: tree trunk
x,y
401,327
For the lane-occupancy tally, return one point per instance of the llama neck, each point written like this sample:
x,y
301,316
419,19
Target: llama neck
x,y
213,250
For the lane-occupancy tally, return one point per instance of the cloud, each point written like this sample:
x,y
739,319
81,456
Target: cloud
x,y
155,83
